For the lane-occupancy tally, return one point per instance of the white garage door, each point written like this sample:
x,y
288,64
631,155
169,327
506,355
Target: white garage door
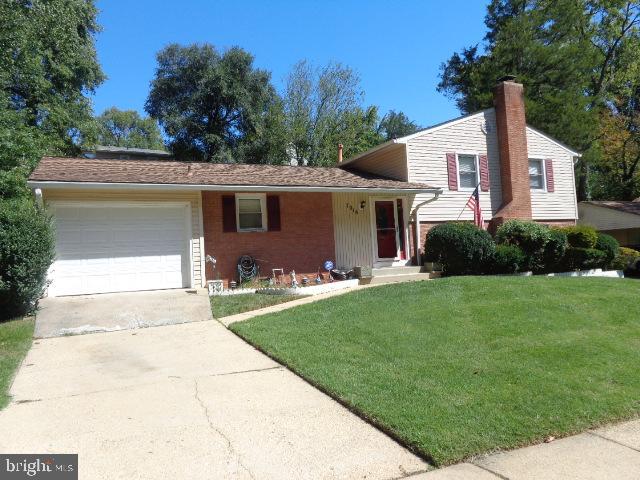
x,y
112,247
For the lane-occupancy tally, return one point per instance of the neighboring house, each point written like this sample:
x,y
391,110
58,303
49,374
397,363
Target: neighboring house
x,y
140,224
621,219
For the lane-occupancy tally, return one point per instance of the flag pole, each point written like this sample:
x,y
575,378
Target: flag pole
x,y
465,205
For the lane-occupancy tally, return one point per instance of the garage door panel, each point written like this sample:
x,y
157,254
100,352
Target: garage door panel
x,y
117,248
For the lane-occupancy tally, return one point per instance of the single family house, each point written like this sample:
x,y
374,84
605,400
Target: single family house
x,y
620,219
135,224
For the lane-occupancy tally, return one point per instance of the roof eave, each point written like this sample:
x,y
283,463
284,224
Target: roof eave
x,y
49,184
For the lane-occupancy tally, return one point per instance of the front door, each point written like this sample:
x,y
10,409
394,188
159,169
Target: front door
x,y
386,228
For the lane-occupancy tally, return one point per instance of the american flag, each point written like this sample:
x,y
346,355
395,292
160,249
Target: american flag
x,y
474,204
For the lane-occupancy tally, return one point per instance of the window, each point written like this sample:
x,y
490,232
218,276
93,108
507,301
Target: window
x,y
468,172
536,174
251,213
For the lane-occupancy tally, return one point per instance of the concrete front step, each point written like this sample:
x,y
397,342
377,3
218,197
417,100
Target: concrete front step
x,y
386,271
407,277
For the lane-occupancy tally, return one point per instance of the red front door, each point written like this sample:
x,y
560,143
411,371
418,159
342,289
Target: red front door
x,y
386,229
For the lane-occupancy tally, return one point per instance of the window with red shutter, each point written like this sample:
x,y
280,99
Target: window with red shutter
x,y
229,213
484,173
452,170
548,166
273,213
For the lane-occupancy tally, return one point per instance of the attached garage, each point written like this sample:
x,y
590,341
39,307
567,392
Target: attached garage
x,y
117,246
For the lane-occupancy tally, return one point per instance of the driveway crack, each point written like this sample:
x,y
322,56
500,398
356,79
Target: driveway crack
x,y
212,427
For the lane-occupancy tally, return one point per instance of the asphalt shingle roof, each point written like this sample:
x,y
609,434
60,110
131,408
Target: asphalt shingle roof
x,y
632,207
63,169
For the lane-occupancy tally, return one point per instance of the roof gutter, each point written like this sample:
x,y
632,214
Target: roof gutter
x,y
34,184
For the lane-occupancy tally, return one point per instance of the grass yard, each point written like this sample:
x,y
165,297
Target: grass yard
x,y
460,366
15,340
223,306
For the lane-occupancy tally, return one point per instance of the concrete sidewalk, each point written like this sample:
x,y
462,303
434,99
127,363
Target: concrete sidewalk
x,y
611,452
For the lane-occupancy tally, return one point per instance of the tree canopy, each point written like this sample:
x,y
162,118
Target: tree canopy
x,y
48,66
126,128
211,105
579,61
396,124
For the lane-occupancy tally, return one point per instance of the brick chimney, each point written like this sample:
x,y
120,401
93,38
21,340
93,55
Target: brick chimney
x,y
508,100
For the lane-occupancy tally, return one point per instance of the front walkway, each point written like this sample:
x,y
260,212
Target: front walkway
x,y
187,401
607,453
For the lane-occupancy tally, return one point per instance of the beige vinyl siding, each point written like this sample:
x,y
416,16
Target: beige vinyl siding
x,y
194,198
560,204
603,218
352,230
428,164
389,162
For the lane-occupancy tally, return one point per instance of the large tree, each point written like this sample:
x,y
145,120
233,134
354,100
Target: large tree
x,y
126,128
575,58
48,66
323,108
396,124
213,106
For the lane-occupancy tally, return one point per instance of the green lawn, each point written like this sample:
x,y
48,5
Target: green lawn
x,y
223,306
459,366
15,341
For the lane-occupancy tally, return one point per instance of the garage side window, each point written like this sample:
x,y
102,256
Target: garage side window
x,y
251,212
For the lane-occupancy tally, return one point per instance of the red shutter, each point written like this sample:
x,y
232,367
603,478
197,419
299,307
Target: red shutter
x,y
273,213
229,213
452,168
548,166
484,173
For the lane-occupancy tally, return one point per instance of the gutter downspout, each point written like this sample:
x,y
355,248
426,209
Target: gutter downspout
x,y
414,214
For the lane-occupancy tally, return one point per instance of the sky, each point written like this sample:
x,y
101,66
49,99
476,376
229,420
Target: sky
x,y
396,46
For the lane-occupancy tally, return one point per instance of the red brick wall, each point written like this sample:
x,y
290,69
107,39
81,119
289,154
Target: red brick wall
x,y
304,242
508,99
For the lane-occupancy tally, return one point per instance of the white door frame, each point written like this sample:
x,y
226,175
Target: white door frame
x,y
401,229
187,263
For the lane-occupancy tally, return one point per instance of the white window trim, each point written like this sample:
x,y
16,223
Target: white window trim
x,y
466,154
543,163
263,208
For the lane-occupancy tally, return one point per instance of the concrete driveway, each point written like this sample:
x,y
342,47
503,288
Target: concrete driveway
x,y
109,312
186,401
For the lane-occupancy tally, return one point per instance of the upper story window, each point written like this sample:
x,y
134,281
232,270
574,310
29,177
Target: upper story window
x,y
536,174
251,212
468,172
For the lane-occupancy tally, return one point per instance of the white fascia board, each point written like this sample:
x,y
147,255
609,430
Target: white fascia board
x,y
221,188
556,142
405,139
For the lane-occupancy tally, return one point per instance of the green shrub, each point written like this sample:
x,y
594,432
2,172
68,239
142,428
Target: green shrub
x,y
530,237
461,248
581,236
507,259
626,259
554,251
584,258
26,252
609,245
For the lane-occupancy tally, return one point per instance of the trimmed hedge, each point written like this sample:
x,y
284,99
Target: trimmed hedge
x,y
508,259
531,237
554,250
626,260
26,252
460,247
609,245
584,258
581,236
